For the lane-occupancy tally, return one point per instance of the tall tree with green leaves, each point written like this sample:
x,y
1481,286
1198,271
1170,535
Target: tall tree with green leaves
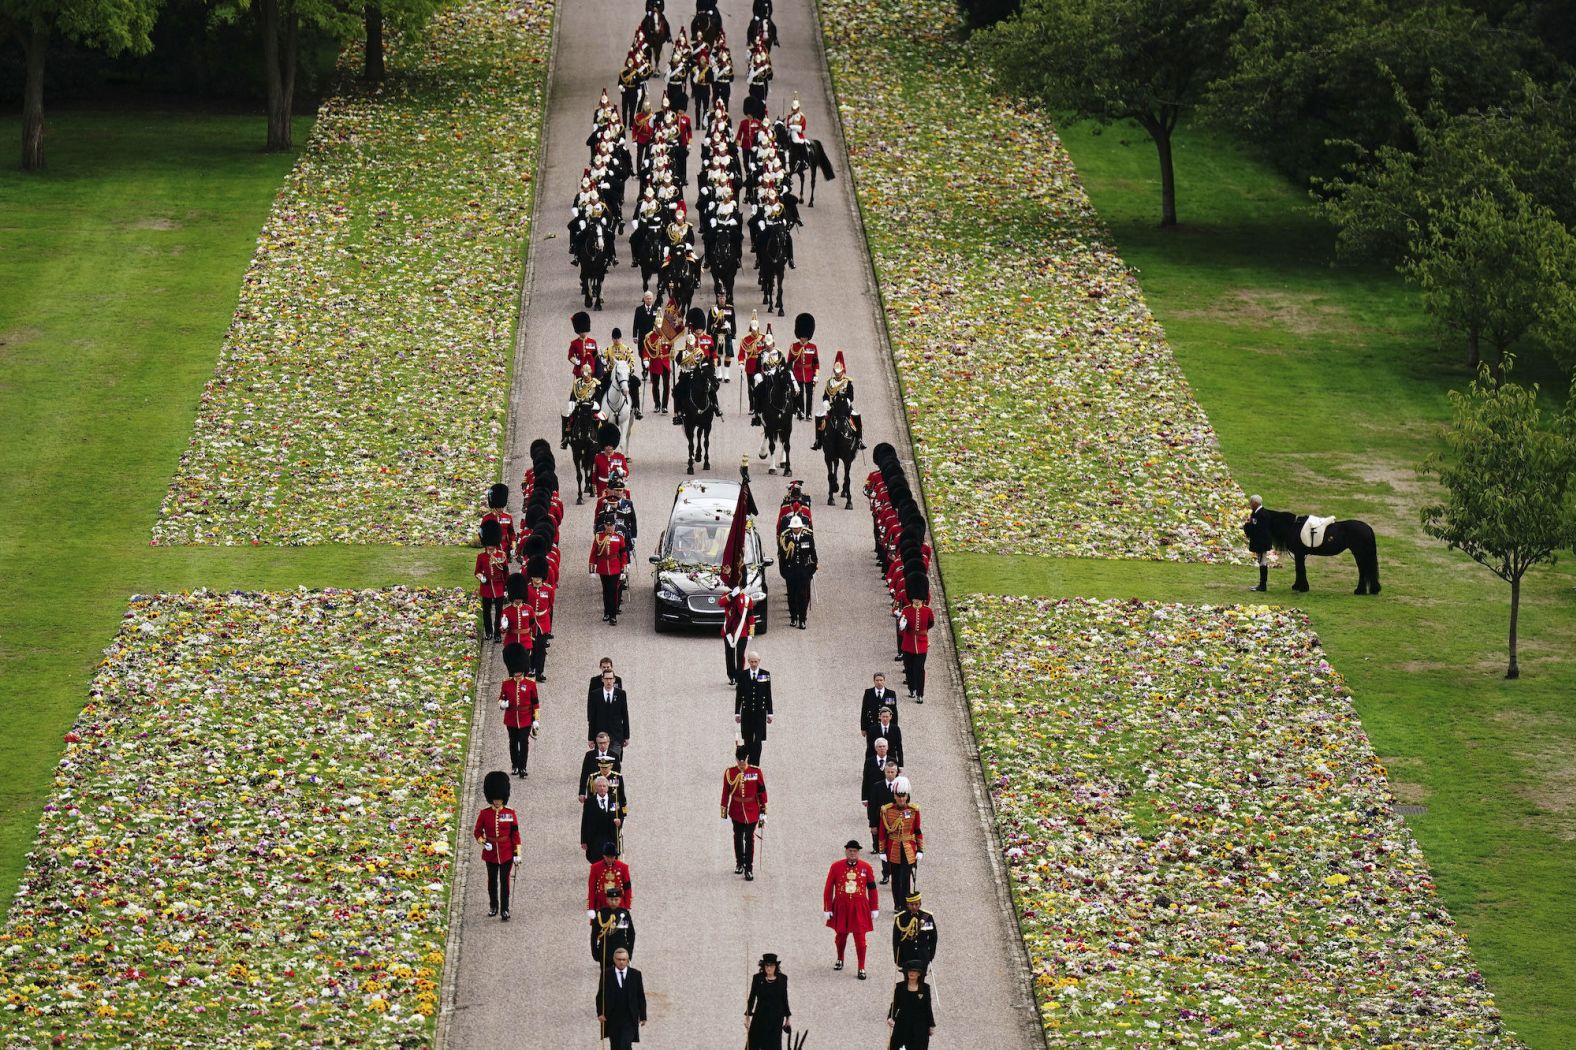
x,y
113,25
280,26
1494,267
1147,61
405,17
1508,473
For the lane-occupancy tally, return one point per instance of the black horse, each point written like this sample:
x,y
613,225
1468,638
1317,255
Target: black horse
x,y
1282,530
696,409
839,444
646,243
583,428
772,253
722,259
762,26
595,255
804,158
679,280
658,34
776,399
705,27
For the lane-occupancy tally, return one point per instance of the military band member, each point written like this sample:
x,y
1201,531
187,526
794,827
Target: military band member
x,y
752,706
750,356
720,323
744,803
738,624
612,354
805,361
850,903
518,700
583,391
613,929
799,562
840,387
914,638
497,831
492,574
605,874
601,819
722,79
902,840
609,554
913,933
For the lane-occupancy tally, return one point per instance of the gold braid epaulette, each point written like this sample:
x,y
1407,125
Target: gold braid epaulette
x,y
909,932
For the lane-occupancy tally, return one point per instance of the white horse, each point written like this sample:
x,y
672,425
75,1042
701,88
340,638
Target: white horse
x,y
617,407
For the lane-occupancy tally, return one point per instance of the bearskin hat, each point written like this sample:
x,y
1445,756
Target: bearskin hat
x,y
883,452
516,658
492,533
495,786
498,496
607,434
536,567
581,321
915,527
696,319
754,107
919,587
516,587
535,546
539,446
546,485
804,326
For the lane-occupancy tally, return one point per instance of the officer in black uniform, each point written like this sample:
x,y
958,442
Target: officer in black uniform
x,y
797,548
752,705
612,929
913,933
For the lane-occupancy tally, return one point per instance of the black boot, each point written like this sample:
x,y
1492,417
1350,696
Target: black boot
x,y
563,433
1264,578
817,446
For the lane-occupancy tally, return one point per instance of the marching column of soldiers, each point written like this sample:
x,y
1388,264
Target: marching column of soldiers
x,y
674,346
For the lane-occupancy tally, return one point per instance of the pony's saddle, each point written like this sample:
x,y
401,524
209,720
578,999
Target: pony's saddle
x,y
1313,531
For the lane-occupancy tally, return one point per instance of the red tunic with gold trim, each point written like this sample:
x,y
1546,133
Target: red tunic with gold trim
x,y
499,832
523,702
743,794
850,895
605,874
492,565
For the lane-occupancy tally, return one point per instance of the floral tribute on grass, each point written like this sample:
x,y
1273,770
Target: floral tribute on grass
x,y
1047,410
252,828
361,389
1202,846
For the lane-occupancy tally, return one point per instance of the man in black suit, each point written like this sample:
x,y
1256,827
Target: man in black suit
x,y
595,685
875,698
601,816
607,711
646,317
885,729
876,762
621,1003
593,760
752,705
878,793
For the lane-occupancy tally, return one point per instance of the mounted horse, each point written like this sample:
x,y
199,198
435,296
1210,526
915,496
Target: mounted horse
x,y
594,254
722,259
617,405
679,281
706,26
696,408
646,243
1304,536
772,253
839,444
776,399
655,27
583,427
804,158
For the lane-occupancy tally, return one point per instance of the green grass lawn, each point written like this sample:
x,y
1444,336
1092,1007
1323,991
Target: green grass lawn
x,y
1326,386
119,267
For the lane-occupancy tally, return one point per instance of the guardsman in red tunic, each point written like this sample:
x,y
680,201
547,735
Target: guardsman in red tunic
x,y
609,555
518,701
605,874
805,362
738,624
540,599
497,831
609,459
795,502
583,349
514,622
498,504
913,627
850,903
656,354
744,803
492,574
750,346
901,840
703,340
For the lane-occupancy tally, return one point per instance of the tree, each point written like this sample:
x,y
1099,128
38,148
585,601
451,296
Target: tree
x,y
1113,60
1507,473
280,24
113,25
406,17
980,13
1494,266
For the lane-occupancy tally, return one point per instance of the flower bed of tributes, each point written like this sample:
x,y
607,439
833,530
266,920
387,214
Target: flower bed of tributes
x,y
361,389
1201,844
1047,410
252,827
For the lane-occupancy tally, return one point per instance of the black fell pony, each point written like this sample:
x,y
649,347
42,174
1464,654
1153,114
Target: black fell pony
x,y
1282,530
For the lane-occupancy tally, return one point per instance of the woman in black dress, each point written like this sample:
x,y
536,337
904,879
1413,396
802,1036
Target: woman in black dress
x,y
766,1013
910,1017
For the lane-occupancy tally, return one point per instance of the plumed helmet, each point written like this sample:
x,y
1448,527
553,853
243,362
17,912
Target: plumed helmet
x,y
495,786
804,326
498,496
900,786
536,567
516,587
516,658
581,321
492,533
696,318
607,434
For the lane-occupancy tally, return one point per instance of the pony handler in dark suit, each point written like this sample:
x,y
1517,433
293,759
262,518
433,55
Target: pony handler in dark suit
x,y
621,1003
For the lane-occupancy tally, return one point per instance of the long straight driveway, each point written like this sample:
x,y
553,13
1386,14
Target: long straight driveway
x,y
701,928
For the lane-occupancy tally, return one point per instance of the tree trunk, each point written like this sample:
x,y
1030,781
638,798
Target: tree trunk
x,y
373,69
279,62
1474,348
1515,611
1160,131
35,48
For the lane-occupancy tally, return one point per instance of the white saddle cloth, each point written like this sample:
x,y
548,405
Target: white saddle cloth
x,y
1313,530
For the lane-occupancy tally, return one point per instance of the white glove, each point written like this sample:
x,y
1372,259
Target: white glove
x,y
503,705
486,847
481,577
828,915
874,916
591,913
919,856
